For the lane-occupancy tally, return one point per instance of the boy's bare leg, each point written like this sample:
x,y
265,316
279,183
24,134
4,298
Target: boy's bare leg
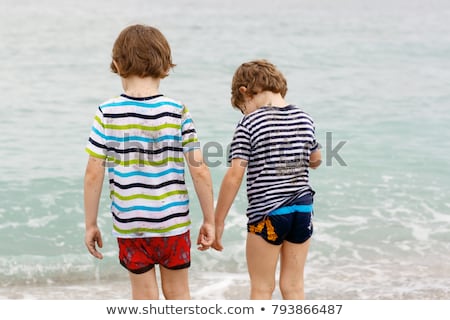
x,y
175,284
262,258
292,265
144,286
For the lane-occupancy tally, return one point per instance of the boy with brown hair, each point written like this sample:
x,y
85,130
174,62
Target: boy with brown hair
x,y
144,139
275,142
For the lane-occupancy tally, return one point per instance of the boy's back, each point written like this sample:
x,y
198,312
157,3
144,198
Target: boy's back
x,y
143,139
277,143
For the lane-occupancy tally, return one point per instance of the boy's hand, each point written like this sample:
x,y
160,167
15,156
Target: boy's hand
x,y
93,236
218,241
205,236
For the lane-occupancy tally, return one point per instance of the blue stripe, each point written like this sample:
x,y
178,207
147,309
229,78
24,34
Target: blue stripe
x,y
141,104
290,209
145,208
189,149
137,138
145,174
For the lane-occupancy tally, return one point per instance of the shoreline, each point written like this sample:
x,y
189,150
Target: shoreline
x,y
210,289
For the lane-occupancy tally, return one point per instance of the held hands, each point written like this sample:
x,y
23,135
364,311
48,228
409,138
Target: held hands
x,y
217,244
92,238
210,236
205,236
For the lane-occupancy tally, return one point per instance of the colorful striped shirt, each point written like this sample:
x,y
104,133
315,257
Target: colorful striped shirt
x,y
143,141
277,143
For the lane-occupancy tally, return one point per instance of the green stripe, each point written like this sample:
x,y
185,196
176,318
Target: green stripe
x,y
149,197
99,121
138,230
95,155
144,162
189,141
142,127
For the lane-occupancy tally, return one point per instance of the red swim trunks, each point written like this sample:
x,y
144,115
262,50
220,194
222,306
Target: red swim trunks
x,y
139,255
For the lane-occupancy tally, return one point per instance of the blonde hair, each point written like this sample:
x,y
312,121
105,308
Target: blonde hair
x,y
256,76
142,51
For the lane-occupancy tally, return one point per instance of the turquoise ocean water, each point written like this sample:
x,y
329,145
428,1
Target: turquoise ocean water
x,y
375,76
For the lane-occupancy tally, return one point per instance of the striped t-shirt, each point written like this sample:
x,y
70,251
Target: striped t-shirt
x,y
142,141
277,143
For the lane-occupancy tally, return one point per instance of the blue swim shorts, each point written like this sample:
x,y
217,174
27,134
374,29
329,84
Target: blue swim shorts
x,y
292,223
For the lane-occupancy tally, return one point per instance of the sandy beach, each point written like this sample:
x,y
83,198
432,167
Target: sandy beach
x,y
216,286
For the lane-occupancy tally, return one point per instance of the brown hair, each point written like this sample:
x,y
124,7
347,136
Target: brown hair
x,y
142,51
256,76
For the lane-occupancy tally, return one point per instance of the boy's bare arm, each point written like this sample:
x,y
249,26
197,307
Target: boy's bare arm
x,y
93,182
315,159
228,190
201,178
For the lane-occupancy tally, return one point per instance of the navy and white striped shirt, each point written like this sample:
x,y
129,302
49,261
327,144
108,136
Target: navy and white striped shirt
x,y
277,143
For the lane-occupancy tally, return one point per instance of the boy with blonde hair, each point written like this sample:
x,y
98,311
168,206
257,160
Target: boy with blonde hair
x,y
144,139
275,142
